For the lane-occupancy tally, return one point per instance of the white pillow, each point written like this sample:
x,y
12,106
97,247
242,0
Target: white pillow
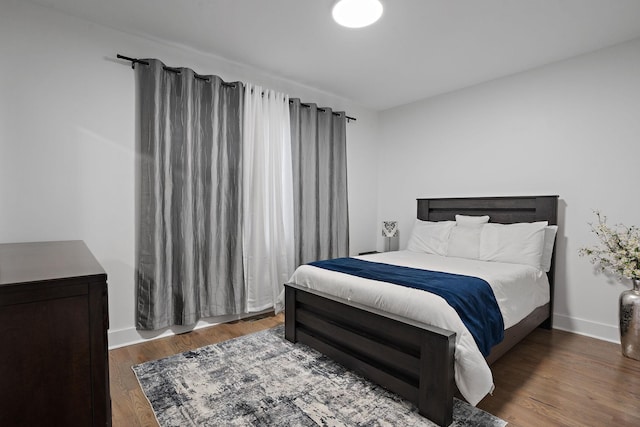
x,y
430,237
468,219
464,240
547,250
520,243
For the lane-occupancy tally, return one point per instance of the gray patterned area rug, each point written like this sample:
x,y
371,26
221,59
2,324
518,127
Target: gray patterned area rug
x,y
263,380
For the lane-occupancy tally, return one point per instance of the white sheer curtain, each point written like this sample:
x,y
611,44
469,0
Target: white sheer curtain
x,y
268,240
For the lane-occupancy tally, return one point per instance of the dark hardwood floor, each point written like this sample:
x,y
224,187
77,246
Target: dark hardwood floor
x,y
553,378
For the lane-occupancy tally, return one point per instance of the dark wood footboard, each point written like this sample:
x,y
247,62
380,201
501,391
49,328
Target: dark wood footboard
x,y
410,358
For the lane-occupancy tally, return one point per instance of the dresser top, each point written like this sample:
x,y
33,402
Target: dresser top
x,y
40,261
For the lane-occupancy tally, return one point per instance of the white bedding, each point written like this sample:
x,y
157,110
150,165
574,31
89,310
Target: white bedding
x,y
519,289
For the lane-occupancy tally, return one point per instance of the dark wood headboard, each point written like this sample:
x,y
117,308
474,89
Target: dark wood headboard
x,y
504,210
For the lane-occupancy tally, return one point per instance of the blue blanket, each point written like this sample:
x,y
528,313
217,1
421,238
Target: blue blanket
x,y
471,297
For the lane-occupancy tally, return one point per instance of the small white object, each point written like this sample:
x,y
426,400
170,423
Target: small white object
x,y
357,13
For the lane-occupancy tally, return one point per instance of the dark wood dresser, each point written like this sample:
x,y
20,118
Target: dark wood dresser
x,y
54,368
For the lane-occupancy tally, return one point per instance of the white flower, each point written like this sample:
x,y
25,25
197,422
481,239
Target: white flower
x,y
619,249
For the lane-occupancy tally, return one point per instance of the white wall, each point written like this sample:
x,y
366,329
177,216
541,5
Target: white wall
x,y
67,140
67,150
571,128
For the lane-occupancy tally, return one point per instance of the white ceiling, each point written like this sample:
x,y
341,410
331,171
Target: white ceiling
x,y
418,49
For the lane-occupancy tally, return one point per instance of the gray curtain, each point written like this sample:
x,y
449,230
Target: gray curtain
x,y
319,156
189,213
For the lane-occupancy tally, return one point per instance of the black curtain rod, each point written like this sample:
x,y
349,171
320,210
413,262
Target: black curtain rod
x,y
135,61
324,109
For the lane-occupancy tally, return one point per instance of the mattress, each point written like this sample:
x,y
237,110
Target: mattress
x,y
519,289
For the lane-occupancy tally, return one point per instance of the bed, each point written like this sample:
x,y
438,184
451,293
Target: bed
x,y
412,358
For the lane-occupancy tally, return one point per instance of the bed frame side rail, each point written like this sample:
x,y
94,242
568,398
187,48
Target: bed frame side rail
x,y
412,359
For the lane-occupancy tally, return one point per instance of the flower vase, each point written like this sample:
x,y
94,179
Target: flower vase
x,y
630,322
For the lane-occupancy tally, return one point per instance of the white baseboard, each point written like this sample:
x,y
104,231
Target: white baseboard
x,y
121,337
588,328
127,336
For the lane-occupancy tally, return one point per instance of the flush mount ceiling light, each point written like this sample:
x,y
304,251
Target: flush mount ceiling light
x,y
357,13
